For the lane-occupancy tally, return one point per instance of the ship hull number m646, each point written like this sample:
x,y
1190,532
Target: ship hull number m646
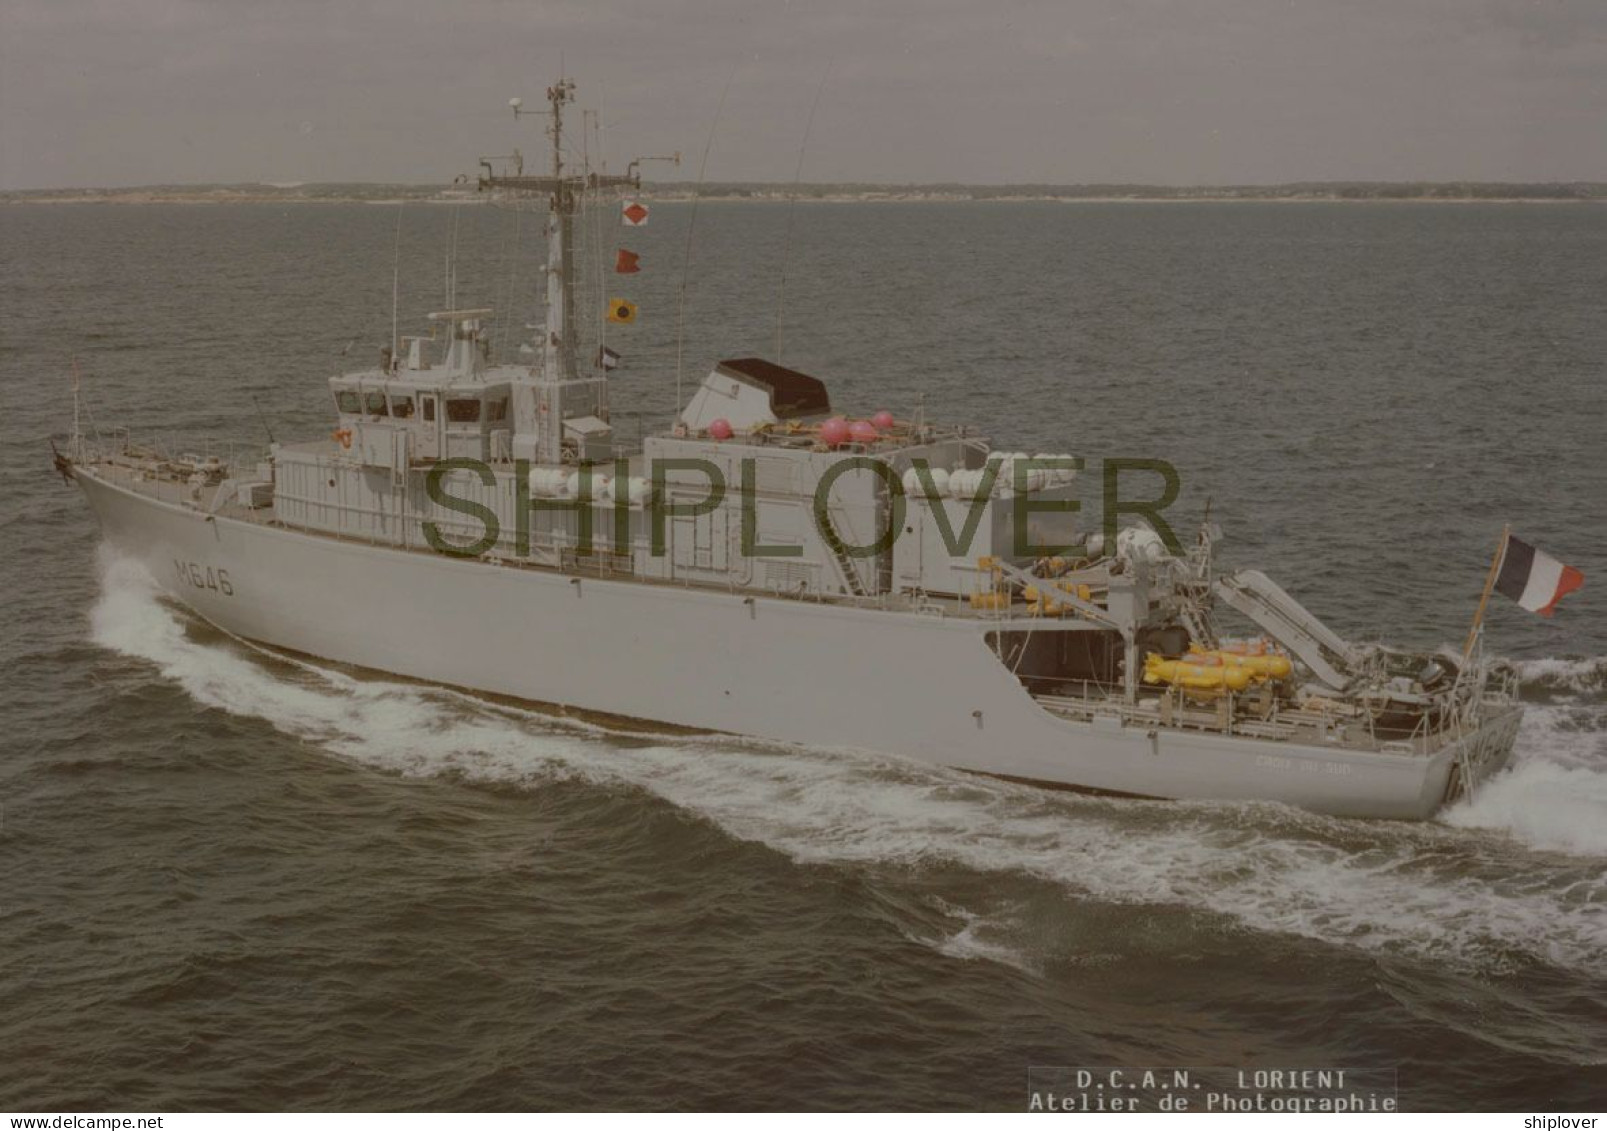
x,y
204,577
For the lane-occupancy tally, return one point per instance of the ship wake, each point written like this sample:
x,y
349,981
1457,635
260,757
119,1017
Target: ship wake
x,y
1514,877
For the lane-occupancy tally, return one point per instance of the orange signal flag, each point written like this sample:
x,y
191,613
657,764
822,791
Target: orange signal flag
x,y
627,262
621,310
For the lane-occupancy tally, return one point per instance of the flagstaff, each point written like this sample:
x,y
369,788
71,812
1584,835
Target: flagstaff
x,y
1484,598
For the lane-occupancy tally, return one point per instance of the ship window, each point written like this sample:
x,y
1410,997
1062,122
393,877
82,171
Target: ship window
x,y
346,401
496,410
402,407
429,408
376,404
463,410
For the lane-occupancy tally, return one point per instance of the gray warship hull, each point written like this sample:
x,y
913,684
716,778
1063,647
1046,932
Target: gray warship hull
x,y
909,683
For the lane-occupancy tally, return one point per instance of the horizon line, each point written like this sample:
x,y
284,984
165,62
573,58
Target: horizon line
x,y
789,186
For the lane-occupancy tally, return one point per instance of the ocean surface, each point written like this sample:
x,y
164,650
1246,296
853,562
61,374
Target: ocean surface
x,y
230,880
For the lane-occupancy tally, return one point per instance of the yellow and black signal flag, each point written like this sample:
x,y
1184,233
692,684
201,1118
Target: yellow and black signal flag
x,y
621,310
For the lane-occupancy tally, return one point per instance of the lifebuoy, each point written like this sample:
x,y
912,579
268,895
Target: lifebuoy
x,y
344,435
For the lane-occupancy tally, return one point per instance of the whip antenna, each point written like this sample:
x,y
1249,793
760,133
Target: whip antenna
x,y
792,200
691,224
263,420
396,276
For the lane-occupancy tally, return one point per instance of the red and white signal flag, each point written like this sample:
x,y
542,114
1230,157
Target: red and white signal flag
x,y
633,213
1533,578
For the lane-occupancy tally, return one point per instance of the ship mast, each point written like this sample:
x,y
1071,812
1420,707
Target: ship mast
x,y
558,352
560,393
564,192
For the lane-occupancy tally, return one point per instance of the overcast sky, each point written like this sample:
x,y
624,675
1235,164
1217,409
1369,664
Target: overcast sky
x,y
122,92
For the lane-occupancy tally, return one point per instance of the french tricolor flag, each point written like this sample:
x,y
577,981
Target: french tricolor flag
x,y
1534,579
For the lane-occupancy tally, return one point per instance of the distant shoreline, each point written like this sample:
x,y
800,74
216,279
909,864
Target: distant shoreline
x,y
1341,192
214,202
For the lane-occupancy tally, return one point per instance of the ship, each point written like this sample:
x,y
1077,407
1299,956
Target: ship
x,y
765,565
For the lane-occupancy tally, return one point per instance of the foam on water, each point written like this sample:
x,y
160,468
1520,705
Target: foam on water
x,y
975,940
420,729
1554,796
1452,891
1586,675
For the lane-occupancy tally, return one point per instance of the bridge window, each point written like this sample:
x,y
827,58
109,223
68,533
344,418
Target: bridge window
x,y
376,404
346,401
429,408
463,410
496,410
402,407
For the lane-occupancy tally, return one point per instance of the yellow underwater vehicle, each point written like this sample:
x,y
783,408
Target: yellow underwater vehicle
x,y
1208,673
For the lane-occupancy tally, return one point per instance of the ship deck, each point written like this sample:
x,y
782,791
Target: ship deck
x,y
1300,726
